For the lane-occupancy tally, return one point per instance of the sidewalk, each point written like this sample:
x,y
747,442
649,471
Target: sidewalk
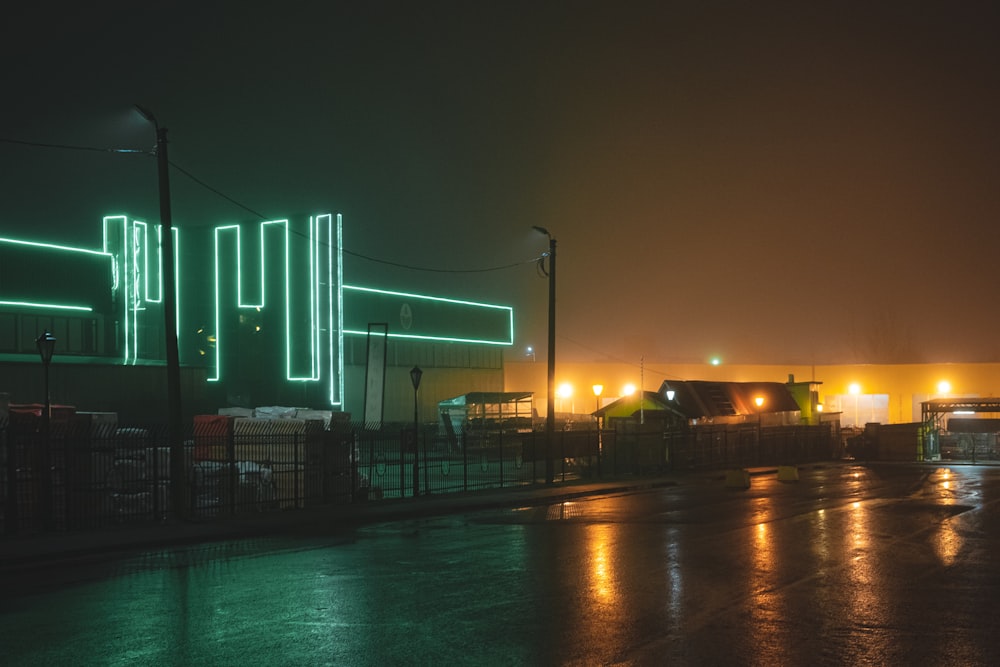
x,y
49,549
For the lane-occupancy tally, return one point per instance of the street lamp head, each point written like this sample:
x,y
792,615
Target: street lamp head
x,y
415,375
147,114
46,344
598,389
541,230
759,401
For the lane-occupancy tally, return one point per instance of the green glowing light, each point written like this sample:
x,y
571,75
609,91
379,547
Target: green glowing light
x,y
52,306
506,312
337,314
128,242
320,297
34,303
313,307
426,297
51,246
443,339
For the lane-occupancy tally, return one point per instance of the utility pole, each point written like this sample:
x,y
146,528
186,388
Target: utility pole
x,y
550,416
175,431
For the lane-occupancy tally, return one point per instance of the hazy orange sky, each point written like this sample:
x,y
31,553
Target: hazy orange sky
x,y
768,182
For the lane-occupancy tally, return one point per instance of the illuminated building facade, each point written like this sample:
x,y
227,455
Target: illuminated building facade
x,y
264,318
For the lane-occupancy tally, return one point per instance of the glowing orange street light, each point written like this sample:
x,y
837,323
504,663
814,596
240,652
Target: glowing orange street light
x,y
565,391
759,400
855,390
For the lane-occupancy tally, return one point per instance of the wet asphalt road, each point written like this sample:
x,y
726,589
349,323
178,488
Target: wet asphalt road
x,y
851,565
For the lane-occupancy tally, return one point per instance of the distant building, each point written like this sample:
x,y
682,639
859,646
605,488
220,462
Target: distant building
x,y
265,317
701,402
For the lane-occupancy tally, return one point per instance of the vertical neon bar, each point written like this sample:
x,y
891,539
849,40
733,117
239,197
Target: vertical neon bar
x,y
339,399
330,278
177,272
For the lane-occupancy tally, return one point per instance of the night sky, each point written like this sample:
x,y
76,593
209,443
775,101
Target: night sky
x,y
794,182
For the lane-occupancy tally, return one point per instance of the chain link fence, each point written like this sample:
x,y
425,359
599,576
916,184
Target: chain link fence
x,y
70,473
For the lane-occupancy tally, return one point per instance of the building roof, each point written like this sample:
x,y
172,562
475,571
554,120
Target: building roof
x,y
648,401
699,399
480,397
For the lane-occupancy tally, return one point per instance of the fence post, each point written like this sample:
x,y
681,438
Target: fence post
x,y
10,518
326,439
614,457
600,451
153,452
500,447
231,477
465,460
562,455
427,488
534,456
402,464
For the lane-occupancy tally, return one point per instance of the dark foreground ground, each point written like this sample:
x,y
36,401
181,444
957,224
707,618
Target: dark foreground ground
x,y
852,564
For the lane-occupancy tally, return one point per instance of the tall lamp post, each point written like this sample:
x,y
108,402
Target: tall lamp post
x,y
550,416
46,344
855,390
759,400
415,375
175,434
598,390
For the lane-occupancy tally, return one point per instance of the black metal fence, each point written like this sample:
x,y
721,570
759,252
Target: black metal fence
x,y
69,475
72,474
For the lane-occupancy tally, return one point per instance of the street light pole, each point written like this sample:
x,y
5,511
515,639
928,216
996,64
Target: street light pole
x,y
598,389
550,416
415,375
175,433
760,405
46,344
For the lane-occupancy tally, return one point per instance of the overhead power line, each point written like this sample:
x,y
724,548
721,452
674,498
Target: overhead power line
x,y
219,193
612,357
439,270
349,252
214,191
95,149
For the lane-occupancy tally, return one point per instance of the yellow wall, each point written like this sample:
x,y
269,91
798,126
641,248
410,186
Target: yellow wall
x,y
905,385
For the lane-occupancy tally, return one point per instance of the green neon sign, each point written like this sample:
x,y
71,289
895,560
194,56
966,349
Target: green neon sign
x,y
134,284
311,301
292,271
431,318
26,285
46,306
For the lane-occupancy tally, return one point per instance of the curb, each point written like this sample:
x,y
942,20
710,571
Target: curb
x,y
43,551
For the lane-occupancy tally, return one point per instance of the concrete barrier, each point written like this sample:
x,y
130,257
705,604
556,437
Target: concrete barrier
x,y
788,473
738,479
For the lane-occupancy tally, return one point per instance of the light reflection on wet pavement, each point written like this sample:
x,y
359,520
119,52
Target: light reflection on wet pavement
x,y
850,565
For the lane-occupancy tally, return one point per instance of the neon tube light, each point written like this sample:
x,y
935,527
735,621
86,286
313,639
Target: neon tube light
x,y
508,311
51,246
54,306
128,241
323,290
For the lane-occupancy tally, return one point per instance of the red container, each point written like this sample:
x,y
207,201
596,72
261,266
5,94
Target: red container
x,y
212,437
